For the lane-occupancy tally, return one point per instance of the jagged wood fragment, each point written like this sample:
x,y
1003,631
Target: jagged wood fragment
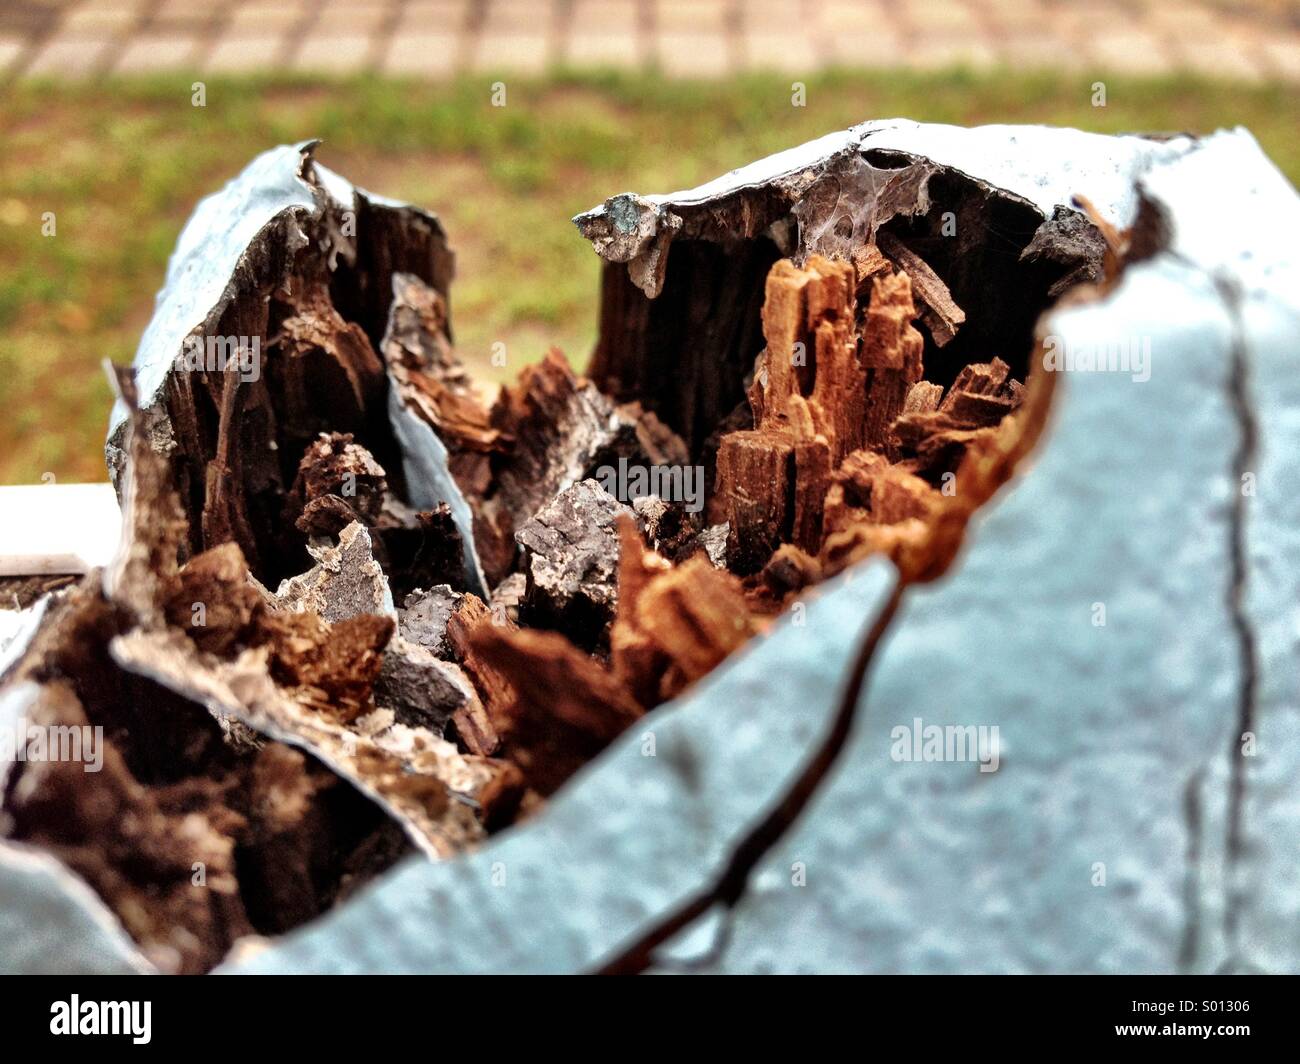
x,y
565,709
789,571
338,482
554,707
674,623
420,688
508,596
422,548
330,375
869,493
924,547
674,530
772,477
938,310
417,344
933,442
424,615
564,427
1073,241
345,582
755,479
923,397
985,378
713,541
570,553
475,724
695,615
823,391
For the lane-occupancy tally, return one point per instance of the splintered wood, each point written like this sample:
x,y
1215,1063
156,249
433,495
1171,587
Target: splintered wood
x,y
824,390
852,452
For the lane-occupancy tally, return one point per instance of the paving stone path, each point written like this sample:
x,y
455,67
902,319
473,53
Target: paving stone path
x,y
1256,41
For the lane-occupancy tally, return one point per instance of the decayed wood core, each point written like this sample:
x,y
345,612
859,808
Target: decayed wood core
x,y
349,693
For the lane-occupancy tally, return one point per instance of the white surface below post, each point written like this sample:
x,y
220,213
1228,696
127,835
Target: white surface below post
x,y
57,528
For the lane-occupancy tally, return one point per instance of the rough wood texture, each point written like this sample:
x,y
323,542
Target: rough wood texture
x,y
824,388
924,546
933,441
570,556
685,354
424,616
475,724
938,310
563,429
565,709
674,623
432,379
338,482
328,373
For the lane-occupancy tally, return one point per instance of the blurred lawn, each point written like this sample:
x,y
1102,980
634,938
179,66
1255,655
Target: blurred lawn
x,y
122,165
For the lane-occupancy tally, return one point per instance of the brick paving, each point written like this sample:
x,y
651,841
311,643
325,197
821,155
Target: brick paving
x,y
1255,41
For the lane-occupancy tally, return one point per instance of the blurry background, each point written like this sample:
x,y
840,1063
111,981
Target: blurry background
x,y
98,124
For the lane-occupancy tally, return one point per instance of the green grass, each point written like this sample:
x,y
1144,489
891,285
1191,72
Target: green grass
x,y
121,166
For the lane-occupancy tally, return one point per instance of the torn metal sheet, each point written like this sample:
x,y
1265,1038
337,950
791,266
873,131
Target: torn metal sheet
x,y
638,230
417,343
403,777
429,480
1247,252
52,923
